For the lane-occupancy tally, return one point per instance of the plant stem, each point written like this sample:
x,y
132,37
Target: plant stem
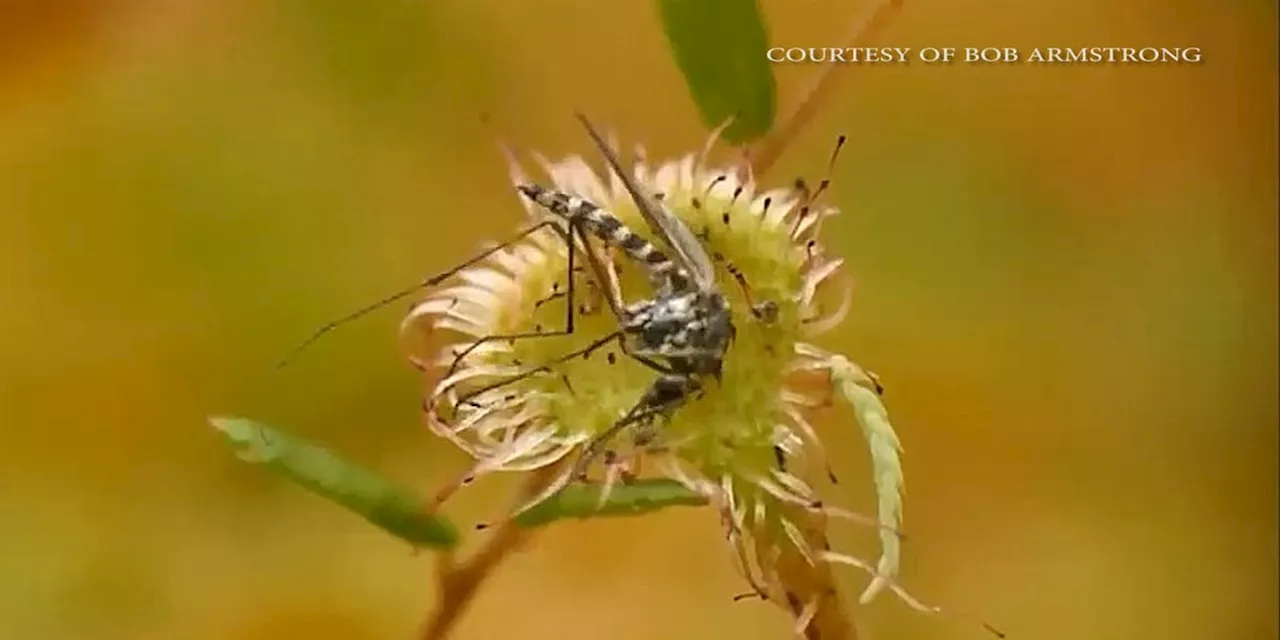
x,y
460,584
813,584
865,24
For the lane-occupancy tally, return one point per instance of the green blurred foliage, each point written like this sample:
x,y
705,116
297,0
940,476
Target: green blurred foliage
x,y
1066,278
717,45
398,511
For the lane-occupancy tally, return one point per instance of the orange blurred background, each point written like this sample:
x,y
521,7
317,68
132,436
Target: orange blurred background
x,y
1066,278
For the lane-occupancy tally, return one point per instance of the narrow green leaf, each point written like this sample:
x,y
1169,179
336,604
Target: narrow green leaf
x,y
382,502
720,47
632,499
858,388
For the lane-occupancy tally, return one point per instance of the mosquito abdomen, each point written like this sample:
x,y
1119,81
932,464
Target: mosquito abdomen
x,y
610,230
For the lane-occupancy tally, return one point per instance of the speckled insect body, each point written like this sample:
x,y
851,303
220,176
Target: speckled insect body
x,y
682,332
685,329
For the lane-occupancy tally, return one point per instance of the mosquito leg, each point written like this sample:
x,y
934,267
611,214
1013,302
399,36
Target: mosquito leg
x,y
644,441
766,311
646,360
609,286
597,444
425,284
615,470
666,394
568,321
579,220
613,297
586,307
584,352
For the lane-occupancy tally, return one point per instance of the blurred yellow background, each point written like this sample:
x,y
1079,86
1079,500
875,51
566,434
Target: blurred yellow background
x,y
1066,278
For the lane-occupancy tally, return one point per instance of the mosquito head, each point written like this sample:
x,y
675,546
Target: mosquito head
x,y
669,390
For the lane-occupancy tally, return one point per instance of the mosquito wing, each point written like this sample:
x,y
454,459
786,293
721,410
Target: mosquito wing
x,y
676,234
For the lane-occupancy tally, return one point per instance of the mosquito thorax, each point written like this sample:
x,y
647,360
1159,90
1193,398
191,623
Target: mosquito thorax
x,y
717,324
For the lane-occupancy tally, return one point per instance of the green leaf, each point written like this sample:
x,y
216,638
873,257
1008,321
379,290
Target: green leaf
x,y
632,499
382,502
720,46
861,390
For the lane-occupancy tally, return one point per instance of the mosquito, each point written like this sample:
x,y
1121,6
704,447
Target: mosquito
x,y
682,332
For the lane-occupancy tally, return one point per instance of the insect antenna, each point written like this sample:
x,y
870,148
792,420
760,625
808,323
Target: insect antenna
x,y
319,333
403,293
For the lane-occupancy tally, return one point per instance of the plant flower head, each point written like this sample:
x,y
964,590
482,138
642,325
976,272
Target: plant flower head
x,y
744,441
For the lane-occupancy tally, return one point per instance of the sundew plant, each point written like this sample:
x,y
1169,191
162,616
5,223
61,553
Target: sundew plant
x,y
741,445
